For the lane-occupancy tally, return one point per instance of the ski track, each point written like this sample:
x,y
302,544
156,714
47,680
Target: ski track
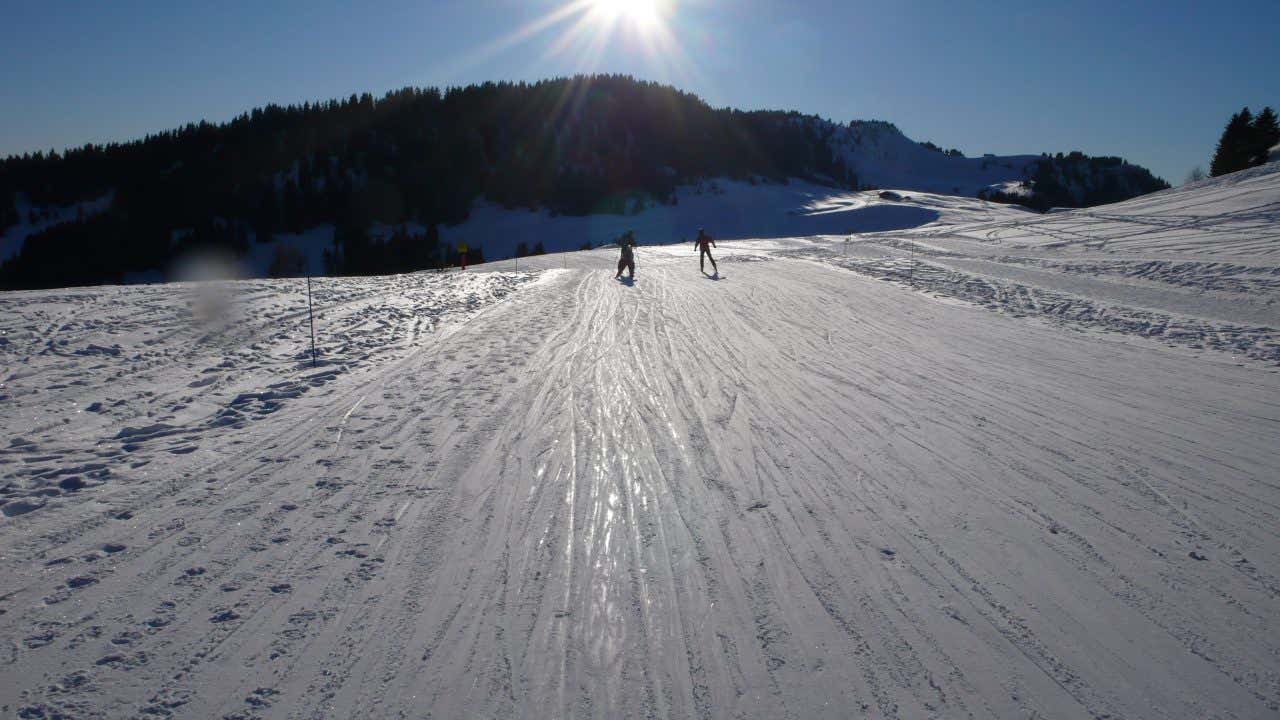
x,y
794,492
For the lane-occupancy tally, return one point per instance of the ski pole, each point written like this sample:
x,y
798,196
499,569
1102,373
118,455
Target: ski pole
x,y
312,320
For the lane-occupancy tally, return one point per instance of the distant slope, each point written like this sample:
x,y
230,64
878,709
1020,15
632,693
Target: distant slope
x,y
884,157
584,147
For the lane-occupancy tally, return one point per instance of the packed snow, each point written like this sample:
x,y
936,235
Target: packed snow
x,y
972,461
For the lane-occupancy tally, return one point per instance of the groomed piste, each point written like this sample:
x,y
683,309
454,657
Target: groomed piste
x,y
966,461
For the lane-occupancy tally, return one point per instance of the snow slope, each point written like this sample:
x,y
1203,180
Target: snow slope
x,y
879,154
875,152
735,209
727,209
880,478
883,157
1196,266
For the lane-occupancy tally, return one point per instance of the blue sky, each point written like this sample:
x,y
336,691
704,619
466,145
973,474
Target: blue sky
x,y
1151,81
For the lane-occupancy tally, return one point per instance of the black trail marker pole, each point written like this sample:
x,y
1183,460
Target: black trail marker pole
x,y
312,320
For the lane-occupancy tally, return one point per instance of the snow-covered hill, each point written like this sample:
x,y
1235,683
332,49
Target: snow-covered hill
x,y
883,157
1194,266
733,210
876,154
997,464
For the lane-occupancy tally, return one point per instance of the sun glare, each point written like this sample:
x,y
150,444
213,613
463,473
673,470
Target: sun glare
x,y
585,30
644,13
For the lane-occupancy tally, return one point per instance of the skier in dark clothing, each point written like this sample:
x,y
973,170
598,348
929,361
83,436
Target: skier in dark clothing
x,y
704,243
627,244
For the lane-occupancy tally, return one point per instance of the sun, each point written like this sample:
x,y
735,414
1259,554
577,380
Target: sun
x,y
644,13
586,31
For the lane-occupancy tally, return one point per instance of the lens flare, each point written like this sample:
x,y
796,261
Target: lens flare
x,y
583,31
643,13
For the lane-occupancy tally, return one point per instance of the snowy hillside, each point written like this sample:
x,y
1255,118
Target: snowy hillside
x,y
1197,266
280,186
883,157
734,209
974,461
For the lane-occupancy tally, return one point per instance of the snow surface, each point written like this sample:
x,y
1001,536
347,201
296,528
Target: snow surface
x,y
1002,464
1196,266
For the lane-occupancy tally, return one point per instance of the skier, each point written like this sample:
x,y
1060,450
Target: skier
x,y
627,244
704,243
462,255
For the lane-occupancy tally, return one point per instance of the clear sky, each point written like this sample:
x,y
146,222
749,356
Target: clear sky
x,y
1151,81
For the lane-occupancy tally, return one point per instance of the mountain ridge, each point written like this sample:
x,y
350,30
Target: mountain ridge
x,y
580,146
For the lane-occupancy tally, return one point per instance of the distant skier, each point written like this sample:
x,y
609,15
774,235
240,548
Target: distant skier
x,y
462,255
704,243
627,244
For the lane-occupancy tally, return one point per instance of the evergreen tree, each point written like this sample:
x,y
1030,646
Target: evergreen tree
x,y
8,213
1266,133
1232,153
292,208
267,217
